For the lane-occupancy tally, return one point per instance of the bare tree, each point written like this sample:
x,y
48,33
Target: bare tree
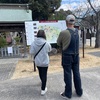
x,y
97,15
90,16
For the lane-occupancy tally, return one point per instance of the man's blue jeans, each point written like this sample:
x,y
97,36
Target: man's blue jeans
x,y
70,64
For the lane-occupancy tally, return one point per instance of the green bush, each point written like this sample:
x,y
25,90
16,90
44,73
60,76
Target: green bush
x,y
17,39
3,42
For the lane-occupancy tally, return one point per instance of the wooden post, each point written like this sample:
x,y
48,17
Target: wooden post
x,y
83,41
34,66
24,42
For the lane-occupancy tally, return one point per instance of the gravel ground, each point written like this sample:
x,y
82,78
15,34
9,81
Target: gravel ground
x,y
24,67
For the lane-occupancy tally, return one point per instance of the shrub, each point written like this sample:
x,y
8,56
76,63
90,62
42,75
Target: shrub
x,y
17,39
3,42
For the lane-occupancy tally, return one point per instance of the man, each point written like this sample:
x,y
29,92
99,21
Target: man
x,y
68,40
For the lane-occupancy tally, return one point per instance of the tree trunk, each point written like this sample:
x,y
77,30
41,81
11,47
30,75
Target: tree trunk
x,y
97,42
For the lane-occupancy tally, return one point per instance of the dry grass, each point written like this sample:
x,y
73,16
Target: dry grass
x,y
24,67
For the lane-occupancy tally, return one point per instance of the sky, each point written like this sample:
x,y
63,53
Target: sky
x,y
71,1
70,4
73,4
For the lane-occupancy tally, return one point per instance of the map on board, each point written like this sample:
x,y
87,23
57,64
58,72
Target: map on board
x,y
52,30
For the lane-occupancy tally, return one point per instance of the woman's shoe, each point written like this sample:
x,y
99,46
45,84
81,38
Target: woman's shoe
x,y
43,91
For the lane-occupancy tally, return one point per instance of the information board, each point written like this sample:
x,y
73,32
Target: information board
x,y
51,28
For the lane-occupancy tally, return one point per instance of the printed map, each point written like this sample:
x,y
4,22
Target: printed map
x,y
52,32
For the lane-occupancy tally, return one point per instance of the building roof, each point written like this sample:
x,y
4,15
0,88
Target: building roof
x,y
15,13
6,5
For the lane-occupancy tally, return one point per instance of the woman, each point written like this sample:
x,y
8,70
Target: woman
x,y
42,58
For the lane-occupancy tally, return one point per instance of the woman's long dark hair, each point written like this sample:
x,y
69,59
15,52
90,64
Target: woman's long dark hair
x,y
41,34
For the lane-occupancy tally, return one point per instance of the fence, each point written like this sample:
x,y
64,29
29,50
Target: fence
x,y
10,51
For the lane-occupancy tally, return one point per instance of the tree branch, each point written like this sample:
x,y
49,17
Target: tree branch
x,y
89,1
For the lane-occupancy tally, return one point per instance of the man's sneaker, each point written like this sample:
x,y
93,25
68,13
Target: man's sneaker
x,y
43,91
63,95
